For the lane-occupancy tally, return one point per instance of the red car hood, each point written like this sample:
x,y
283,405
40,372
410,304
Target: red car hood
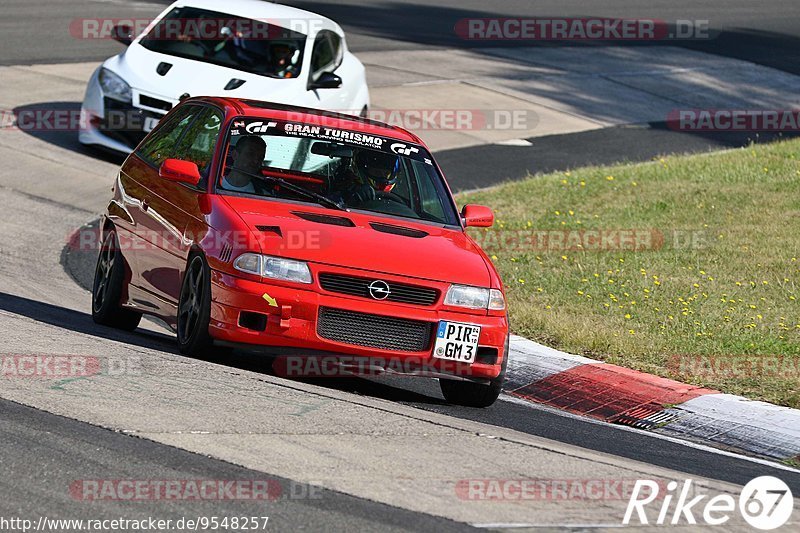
x,y
317,235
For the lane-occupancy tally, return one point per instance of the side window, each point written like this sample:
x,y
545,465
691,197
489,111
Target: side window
x,y
198,142
327,53
161,145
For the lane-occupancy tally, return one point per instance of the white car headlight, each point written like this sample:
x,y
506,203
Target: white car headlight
x,y
114,87
474,298
273,267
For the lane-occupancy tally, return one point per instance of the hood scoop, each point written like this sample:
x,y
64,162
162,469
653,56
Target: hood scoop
x,y
398,230
163,68
271,229
235,83
325,219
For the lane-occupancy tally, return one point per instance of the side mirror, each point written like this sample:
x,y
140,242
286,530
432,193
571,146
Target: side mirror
x,y
326,80
180,171
477,216
122,33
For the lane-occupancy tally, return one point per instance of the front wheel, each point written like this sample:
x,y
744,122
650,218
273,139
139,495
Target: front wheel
x,y
109,278
470,394
194,308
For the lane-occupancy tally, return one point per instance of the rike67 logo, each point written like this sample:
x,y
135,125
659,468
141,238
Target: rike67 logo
x,y
765,503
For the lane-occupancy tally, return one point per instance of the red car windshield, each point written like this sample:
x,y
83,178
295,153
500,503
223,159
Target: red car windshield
x,y
351,170
244,44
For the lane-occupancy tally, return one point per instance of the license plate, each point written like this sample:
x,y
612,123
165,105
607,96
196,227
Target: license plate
x,y
149,124
456,341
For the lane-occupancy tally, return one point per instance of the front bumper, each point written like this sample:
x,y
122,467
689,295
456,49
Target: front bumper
x,y
242,312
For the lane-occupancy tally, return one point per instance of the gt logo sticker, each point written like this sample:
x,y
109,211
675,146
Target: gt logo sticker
x,y
259,127
402,149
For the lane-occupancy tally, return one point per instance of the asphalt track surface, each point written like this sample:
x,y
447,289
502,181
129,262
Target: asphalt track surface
x,y
42,451
64,447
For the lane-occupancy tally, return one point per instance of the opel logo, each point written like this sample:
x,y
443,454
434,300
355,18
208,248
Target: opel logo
x,y
379,290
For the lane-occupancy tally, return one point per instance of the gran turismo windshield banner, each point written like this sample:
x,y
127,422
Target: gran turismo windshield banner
x,y
322,132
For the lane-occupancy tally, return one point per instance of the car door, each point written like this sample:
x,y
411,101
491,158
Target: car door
x,y
138,176
326,56
173,207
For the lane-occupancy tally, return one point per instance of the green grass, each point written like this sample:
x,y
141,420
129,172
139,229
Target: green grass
x,y
718,282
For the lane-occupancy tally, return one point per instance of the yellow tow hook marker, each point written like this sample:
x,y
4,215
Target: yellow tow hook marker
x,y
270,300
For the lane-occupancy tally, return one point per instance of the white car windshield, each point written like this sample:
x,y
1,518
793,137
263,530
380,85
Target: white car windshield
x,y
249,45
336,168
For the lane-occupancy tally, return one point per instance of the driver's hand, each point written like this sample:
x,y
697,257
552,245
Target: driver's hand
x,y
361,194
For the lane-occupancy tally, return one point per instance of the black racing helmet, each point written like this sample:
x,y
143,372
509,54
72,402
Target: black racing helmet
x,y
379,169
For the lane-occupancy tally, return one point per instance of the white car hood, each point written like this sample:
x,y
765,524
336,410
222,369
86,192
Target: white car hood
x,y
137,66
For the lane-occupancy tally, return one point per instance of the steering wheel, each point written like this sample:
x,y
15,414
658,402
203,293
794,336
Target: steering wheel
x,y
390,196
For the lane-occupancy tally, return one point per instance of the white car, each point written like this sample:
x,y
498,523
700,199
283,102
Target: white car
x,y
254,49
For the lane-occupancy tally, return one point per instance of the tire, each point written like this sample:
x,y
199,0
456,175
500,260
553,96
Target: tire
x,y
194,309
470,394
109,278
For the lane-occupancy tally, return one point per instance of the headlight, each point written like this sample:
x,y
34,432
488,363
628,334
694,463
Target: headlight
x,y
475,298
273,267
113,86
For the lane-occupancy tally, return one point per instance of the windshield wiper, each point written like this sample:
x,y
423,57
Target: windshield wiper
x,y
322,200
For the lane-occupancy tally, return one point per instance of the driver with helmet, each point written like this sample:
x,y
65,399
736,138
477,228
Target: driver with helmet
x,y
370,175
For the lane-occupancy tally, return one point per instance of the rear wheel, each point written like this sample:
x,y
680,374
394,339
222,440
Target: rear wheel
x,y
109,278
194,308
470,394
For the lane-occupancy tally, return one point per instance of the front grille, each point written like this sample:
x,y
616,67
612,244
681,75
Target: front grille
x,y
155,103
123,122
398,292
374,331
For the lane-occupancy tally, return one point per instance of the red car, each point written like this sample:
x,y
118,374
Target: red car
x,y
314,236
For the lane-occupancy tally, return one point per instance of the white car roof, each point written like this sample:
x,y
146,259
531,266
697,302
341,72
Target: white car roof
x,y
260,10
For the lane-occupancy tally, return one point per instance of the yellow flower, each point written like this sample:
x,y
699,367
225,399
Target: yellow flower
x,y
628,315
494,257
631,332
610,178
521,281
